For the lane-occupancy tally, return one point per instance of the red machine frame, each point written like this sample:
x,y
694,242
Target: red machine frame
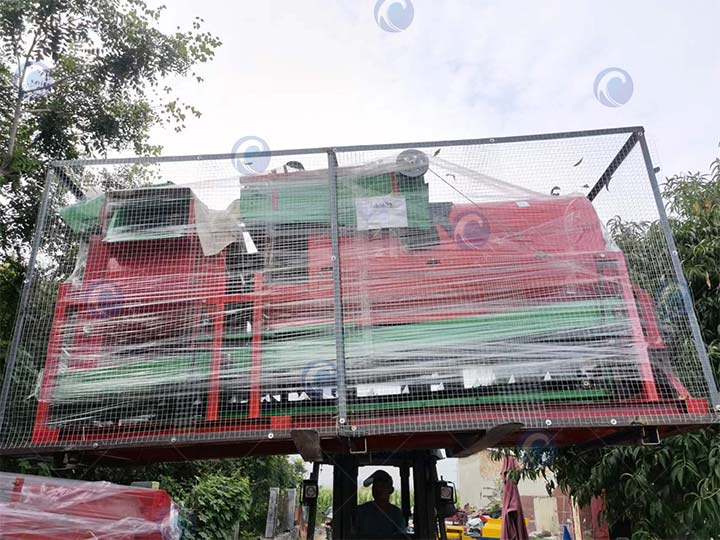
x,y
189,261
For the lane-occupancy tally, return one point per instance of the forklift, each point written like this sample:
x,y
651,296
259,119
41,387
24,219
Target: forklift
x,y
434,499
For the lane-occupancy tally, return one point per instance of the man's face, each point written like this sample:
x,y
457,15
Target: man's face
x,y
381,490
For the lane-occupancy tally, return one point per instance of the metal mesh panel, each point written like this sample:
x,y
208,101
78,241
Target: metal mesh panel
x,y
173,302
508,298
428,287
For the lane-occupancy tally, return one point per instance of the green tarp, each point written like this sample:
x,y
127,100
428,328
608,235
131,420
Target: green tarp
x,y
84,216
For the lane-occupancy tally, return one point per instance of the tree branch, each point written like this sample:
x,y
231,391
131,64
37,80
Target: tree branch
x,y
17,113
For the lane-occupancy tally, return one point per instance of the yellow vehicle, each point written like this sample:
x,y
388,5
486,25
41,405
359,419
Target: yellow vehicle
x,y
491,529
457,532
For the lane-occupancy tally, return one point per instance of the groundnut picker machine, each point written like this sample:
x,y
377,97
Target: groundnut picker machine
x,y
355,301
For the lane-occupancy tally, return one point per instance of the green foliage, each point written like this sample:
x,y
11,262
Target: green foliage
x,y
494,507
695,219
673,490
179,479
109,61
220,504
11,278
325,500
267,472
666,492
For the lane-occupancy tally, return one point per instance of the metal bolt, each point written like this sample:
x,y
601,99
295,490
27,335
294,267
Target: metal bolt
x,y
613,422
271,435
173,439
717,407
548,422
95,445
674,252
492,140
353,428
343,420
332,258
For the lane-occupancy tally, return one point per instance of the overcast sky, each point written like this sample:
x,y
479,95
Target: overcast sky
x,y
306,73
303,73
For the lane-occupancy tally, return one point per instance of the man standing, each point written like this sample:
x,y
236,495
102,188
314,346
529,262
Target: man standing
x,y
379,518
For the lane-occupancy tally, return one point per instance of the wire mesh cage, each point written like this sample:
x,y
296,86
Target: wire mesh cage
x,y
437,287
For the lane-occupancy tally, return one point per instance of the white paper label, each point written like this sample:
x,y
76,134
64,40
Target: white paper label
x,y
370,390
480,376
381,212
249,244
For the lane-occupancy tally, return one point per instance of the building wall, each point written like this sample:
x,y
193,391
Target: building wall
x,y
479,480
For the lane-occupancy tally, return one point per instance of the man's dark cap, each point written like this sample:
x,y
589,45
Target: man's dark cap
x,y
379,475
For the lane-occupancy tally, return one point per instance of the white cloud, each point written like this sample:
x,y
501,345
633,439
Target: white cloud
x,y
314,73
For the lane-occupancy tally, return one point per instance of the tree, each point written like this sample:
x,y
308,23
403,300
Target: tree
x,y
11,278
670,491
79,78
220,505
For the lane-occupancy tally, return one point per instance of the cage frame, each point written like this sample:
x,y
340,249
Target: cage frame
x,y
635,134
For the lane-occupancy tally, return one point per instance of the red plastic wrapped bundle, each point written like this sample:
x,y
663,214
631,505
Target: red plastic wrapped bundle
x,y
39,508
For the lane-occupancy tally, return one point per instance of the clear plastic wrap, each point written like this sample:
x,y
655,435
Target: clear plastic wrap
x,y
466,288
39,508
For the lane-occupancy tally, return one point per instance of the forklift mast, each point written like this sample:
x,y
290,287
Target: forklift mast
x,y
427,523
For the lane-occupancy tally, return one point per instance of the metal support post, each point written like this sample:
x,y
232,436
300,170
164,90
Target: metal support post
x,y
405,490
312,509
345,471
24,298
343,427
424,520
432,466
